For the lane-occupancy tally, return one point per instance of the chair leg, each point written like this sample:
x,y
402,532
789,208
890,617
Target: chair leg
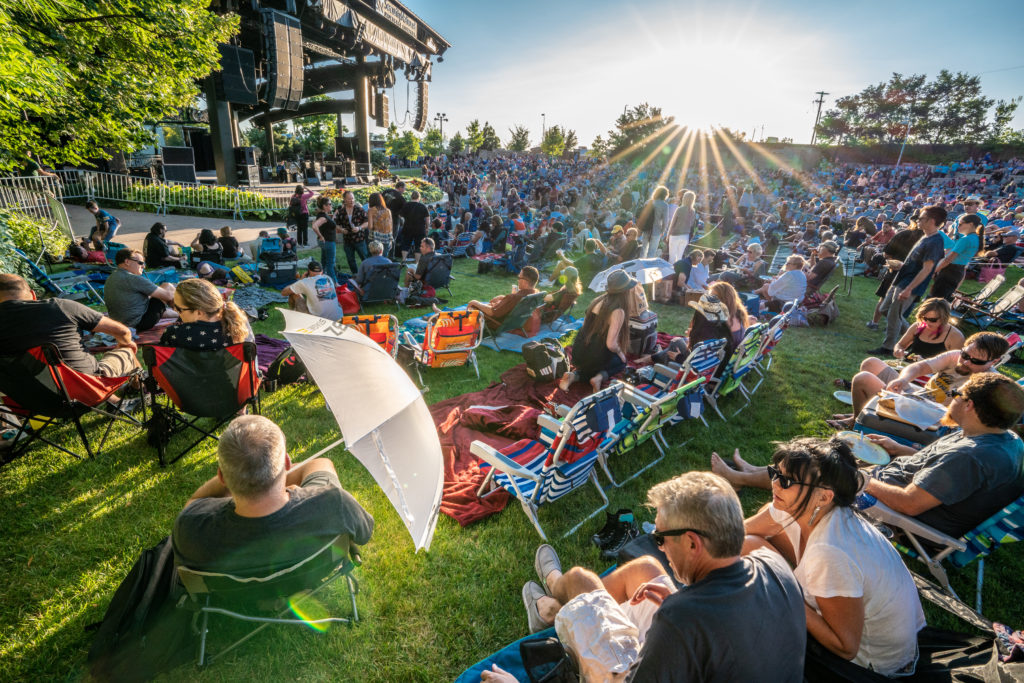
x,y
531,512
83,436
203,631
597,484
977,588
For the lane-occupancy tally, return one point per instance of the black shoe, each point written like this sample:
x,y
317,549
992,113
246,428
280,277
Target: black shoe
x,y
880,351
624,534
612,523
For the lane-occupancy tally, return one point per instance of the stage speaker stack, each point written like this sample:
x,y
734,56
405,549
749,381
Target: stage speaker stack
x,y
236,82
381,110
282,45
179,164
246,166
421,107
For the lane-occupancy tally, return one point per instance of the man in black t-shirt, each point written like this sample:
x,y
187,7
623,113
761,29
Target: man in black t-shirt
x,y
688,633
394,199
261,513
415,216
26,323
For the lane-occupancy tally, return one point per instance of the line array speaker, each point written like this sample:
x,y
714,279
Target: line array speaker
x,y
178,156
381,110
421,106
282,45
180,173
236,82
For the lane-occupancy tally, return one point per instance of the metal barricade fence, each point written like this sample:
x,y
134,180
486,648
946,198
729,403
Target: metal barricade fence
x,y
28,195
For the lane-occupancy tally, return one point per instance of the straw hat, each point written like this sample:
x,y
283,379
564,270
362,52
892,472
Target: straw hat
x,y
711,308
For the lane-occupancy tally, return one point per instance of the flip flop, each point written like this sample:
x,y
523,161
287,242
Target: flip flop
x,y
843,384
839,425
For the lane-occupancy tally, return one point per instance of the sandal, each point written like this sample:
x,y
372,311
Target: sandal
x,y
843,384
839,425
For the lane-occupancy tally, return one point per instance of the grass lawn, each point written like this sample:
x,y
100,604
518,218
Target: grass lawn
x,y
72,529
407,172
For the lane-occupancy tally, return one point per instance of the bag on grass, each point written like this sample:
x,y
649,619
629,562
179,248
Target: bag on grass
x,y
143,632
286,369
545,360
546,661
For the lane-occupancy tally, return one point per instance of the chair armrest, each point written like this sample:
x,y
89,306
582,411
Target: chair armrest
x,y
562,410
500,462
545,421
640,399
881,512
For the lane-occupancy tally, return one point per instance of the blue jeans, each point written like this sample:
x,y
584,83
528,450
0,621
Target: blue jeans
x,y
327,252
350,255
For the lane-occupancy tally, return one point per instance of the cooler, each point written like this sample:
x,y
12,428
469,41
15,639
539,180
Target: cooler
x,y
643,333
872,420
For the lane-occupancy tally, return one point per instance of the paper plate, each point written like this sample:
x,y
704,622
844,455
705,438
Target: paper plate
x,y
843,397
867,451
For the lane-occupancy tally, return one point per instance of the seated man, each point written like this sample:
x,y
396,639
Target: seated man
x,y
425,270
315,294
261,513
376,258
948,371
26,323
701,532
132,299
497,309
790,284
953,483
822,263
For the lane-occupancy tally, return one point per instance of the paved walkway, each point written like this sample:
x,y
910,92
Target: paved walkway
x,y
135,225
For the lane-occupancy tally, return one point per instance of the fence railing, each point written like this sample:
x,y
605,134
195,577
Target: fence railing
x,y
28,195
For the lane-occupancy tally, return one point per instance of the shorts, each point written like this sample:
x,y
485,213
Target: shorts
x,y
886,282
888,374
117,363
640,615
154,311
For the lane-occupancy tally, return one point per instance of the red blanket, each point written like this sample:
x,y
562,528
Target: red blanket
x,y
499,415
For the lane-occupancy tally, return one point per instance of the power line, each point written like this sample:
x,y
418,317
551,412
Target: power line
x,y
820,101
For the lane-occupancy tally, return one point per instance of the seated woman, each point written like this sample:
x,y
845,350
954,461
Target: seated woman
x,y
205,247
933,333
288,243
599,350
861,600
206,321
157,248
747,271
558,303
719,314
228,243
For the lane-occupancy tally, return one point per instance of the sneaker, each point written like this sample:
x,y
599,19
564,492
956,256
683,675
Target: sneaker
x,y
871,325
612,522
624,534
532,592
880,351
546,561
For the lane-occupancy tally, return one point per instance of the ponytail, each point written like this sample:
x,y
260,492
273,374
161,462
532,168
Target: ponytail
x,y
234,322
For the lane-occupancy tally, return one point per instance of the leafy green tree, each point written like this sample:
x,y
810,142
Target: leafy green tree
x,y
554,141
474,136
391,140
316,133
642,126
490,139
81,76
571,141
457,145
598,148
520,140
433,143
283,145
379,160
408,146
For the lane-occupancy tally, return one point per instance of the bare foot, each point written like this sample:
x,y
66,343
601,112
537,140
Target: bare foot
x,y
843,416
566,381
741,464
596,381
719,467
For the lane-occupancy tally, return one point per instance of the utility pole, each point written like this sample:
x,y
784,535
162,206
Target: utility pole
x,y
543,128
820,101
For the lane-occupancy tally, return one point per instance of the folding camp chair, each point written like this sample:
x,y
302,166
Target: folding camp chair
x,y
517,317
643,418
450,340
461,243
1005,526
703,361
439,273
382,283
381,328
562,461
214,384
40,391
270,598
776,326
981,298
983,317
736,370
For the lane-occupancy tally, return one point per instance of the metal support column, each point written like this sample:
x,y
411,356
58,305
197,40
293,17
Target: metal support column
x,y
221,135
268,129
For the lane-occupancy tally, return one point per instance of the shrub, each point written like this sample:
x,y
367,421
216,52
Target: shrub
x,y
23,231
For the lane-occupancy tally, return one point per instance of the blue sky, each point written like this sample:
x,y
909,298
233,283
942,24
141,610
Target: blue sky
x,y
736,64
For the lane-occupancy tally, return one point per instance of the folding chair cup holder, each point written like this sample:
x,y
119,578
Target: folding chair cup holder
x,y
271,598
196,385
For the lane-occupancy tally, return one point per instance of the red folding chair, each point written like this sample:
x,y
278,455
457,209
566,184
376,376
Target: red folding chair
x,y
40,391
201,384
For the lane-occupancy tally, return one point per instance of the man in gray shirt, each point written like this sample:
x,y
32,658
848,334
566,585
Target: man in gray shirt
x,y
375,259
132,299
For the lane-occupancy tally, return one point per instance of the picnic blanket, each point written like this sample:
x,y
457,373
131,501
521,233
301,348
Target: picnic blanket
x,y
503,413
510,341
268,349
101,343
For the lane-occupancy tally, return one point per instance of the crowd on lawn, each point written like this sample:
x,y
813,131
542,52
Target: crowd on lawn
x,y
807,563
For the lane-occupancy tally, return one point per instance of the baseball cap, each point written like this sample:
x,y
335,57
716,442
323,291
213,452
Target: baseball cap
x,y
315,267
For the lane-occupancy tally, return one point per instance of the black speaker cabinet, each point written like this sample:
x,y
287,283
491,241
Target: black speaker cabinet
x,y
180,173
236,82
177,156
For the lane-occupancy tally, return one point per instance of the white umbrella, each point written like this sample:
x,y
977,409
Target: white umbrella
x,y
645,270
383,418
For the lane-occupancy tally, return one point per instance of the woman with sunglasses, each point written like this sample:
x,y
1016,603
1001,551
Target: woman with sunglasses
x,y
861,602
933,333
207,322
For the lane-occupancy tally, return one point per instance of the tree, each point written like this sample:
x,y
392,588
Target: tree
x,y
474,136
598,148
408,146
433,144
639,127
391,140
283,145
489,138
520,140
554,142
571,142
457,144
82,76
316,133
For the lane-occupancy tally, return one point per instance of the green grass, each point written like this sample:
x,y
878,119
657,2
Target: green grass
x,y
407,172
72,529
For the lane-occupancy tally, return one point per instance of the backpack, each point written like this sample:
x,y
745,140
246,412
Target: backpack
x,y
294,209
287,368
545,360
143,632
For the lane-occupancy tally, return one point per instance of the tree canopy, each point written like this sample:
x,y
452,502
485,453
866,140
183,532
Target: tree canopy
x,y
316,133
554,141
490,140
949,109
520,140
80,76
474,136
457,145
636,128
433,143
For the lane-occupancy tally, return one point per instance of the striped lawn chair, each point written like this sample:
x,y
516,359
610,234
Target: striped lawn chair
x,y
776,326
703,361
461,243
1005,526
643,418
738,367
981,298
999,313
539,472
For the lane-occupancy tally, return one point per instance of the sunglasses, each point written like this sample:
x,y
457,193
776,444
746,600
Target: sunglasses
x,y
956,393
659,536
180,309
785,482
135,260
972,360
931,320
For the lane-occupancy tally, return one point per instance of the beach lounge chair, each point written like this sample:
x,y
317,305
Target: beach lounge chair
x,y
981,298
381,328
1000,313
450,340
518,317
737,368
